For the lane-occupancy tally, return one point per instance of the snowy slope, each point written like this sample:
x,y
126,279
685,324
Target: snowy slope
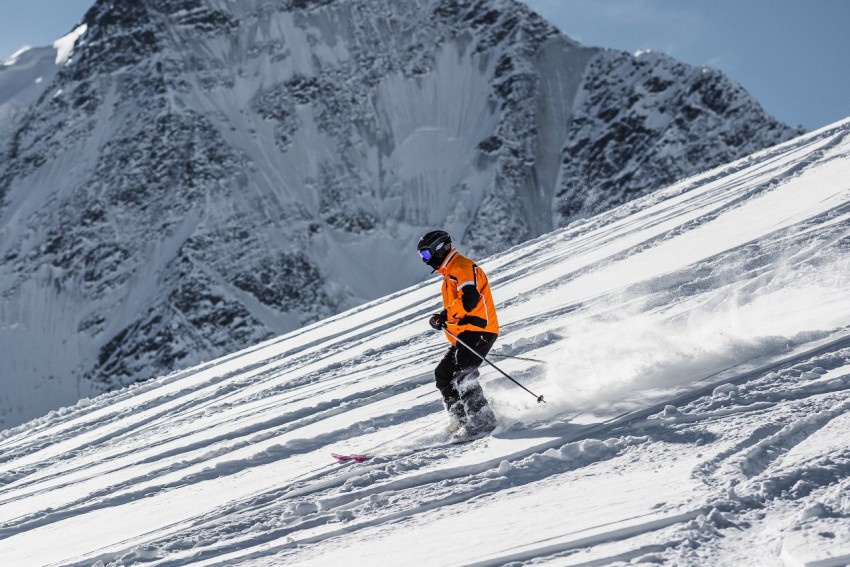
x,y
698,350
201,175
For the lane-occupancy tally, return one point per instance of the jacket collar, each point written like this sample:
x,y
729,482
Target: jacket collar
x,y
444,267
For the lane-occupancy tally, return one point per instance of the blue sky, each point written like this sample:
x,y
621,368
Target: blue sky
x,y
792,55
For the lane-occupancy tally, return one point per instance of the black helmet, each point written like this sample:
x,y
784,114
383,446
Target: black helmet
x,y
434,247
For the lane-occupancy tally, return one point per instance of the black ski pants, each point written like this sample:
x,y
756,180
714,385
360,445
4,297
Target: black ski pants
x,y
457,376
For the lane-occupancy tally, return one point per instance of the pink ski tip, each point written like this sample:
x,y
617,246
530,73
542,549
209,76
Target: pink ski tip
x,y
355,458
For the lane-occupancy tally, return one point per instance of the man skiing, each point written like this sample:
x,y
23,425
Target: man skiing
x,y
470,315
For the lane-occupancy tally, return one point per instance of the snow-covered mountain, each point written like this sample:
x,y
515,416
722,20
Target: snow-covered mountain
x,y
200,175
697,350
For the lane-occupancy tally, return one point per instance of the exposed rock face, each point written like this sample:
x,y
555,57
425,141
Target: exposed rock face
x,y
200,175
644,121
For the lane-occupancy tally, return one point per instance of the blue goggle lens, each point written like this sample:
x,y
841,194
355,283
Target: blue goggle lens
x,y
425,254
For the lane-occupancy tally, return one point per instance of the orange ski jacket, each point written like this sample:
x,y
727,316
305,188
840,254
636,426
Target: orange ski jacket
x,y
466,297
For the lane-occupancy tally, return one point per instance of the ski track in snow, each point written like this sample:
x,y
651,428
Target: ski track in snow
x,y
698,348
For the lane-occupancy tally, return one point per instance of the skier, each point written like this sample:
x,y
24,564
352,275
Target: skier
x,y
469,313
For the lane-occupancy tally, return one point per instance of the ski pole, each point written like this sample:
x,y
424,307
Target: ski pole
x,y
518,358
505,374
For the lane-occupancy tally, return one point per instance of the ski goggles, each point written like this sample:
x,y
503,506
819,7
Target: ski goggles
x,y
425,255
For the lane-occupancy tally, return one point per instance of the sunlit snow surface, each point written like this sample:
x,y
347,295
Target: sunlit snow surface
x,y
65,45
698,366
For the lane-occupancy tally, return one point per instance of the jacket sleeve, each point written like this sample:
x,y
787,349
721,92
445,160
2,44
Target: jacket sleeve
x,y
467,283
470,296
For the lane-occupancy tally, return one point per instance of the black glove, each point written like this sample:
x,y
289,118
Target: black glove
x,y
438,320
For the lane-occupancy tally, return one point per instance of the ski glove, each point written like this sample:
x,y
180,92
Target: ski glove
x,y
438,320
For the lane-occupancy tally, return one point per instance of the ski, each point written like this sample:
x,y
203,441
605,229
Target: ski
x,y
460,439
452,439
347,458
